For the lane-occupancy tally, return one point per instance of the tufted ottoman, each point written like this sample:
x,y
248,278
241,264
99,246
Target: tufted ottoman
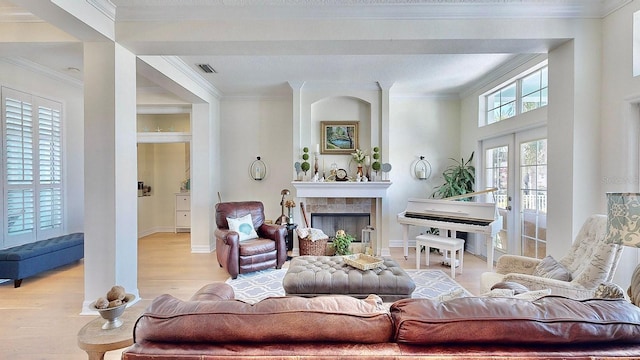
x,y
324,275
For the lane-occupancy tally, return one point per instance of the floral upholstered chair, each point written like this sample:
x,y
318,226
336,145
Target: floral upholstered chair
x,y
590,262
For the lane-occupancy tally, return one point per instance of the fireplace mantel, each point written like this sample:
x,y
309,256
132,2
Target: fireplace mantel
x,y
336,189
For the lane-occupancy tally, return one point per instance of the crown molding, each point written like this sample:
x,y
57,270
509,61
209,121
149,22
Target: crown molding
x,y
190,73
133,10
37,68
12,13
156,109
485,82
106,7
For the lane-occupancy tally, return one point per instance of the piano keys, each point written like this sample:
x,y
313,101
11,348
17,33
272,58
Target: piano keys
x,y
472,217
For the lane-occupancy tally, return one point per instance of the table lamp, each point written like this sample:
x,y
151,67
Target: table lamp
x,y
623,219
283,219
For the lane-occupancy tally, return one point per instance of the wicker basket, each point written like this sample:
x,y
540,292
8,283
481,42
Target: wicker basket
x,y
314,248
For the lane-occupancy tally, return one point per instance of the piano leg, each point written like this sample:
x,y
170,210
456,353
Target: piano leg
x,y
405,240
489,243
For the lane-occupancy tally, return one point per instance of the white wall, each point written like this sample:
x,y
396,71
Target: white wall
x,y
252,127
70,94
471,135
339,108
427,126
619,120
573,144
162,167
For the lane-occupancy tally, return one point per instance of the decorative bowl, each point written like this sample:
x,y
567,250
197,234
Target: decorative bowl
x,y
113,314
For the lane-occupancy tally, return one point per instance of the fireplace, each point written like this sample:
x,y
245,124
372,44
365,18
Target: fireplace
x,y
347,197
351,223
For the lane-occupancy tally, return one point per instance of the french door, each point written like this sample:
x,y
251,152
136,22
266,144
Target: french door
x,y
516,164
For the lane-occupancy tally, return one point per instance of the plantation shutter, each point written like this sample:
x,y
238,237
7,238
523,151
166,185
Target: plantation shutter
x,y
50,167
19,169
32,134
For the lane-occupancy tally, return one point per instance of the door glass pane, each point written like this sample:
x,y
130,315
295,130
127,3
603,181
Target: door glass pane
x,y
497,176
533,195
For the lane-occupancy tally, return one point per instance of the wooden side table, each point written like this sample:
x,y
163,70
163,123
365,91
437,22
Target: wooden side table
x,y
96,341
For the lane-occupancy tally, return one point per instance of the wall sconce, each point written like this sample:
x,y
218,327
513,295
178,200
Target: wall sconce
x,y
422,169
258,169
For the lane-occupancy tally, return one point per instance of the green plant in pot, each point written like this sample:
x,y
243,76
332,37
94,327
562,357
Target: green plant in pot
x,y
459,179
305,156
342,243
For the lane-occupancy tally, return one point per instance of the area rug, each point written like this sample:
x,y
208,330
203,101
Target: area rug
x,y
255,286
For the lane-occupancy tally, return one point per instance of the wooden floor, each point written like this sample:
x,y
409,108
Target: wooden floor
x,y
40,320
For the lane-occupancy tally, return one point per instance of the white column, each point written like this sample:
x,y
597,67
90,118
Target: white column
x,y
111,229
382,204
202,146
298,128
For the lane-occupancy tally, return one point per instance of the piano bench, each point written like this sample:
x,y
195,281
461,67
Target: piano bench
x,y
442,243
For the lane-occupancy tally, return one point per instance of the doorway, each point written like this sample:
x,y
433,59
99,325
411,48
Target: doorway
x,y
164,165
164,168
516,164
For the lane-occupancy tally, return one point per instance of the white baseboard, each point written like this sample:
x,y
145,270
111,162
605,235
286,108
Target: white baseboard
x,y
201,249
156,229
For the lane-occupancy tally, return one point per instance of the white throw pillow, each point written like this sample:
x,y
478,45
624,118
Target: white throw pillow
x,y
243,226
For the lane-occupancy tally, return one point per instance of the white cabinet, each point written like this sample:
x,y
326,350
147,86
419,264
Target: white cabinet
x,y
183,212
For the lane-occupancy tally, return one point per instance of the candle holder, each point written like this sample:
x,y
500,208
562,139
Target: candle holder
x,y
422,169
258,169
317,161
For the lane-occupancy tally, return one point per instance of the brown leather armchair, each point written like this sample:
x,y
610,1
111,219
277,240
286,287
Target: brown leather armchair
x,y
240,257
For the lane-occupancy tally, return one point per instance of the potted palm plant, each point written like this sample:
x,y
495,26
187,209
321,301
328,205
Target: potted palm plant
x,y
459,179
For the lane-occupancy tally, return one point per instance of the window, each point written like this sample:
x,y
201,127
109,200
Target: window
x,y
32,168
534,90
501,104
519,96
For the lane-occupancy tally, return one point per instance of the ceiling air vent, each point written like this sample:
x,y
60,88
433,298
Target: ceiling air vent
x,y
207,68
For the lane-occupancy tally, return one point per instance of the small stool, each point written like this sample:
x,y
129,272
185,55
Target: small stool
x,y
442,243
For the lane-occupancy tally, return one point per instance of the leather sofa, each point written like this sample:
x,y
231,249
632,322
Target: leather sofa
x,y
211,325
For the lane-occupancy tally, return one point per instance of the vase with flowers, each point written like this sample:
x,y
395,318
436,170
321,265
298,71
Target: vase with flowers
x,y
359,157
290,204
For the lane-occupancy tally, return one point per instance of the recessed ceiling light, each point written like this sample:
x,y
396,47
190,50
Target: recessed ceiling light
x,y
207,68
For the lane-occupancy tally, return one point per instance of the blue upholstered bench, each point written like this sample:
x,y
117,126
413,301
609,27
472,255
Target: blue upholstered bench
x,y
26,260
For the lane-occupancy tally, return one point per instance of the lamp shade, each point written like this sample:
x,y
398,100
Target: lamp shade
x,y
623,219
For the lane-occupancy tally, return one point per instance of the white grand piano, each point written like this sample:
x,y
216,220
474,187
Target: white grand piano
x,y
445,214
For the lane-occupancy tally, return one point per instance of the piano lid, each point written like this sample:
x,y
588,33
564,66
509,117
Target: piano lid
x,y
473,213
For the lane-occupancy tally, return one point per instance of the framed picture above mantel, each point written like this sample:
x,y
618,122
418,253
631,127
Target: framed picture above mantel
x,y
338,137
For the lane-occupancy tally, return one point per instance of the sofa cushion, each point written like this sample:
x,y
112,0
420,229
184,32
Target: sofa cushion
x,y
277,320
548,320
550,268
214,291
